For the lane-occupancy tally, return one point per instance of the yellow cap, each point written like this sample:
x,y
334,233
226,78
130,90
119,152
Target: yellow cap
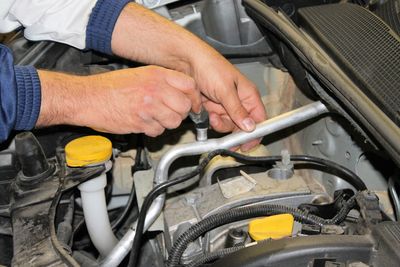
x,y
88,150
274,227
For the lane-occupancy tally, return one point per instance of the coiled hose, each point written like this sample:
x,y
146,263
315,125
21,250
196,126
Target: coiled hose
x,y
243,213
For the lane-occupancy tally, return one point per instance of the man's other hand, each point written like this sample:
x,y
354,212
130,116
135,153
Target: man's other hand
x,y
140,100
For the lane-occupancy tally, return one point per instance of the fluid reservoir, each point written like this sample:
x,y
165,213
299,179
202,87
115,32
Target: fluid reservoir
x,y
93,151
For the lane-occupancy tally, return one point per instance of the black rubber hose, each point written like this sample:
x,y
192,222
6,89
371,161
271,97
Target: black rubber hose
x,y
243,213
351,177
125,212
329,166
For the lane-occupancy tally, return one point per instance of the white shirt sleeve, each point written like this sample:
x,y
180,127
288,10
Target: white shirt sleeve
x,y
62,21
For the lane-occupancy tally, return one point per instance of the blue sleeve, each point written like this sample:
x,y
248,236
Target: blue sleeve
x,y
101,24
20,95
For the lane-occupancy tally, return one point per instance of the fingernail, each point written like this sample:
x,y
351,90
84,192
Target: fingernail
x,y
248,124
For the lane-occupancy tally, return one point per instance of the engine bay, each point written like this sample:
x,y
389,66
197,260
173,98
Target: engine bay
x,y
320,189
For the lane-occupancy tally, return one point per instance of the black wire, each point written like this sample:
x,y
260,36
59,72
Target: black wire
x,y
349,176
78,227
326,165
125,212
131,200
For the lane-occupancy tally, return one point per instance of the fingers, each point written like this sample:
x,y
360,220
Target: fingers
x,y
187,86
174,97
248,146
249,99
252,100
166,117
176,101
153,128
233,106
222,124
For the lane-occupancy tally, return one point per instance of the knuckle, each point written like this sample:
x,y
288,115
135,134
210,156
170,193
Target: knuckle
x,y
160,130
148,132
191,84
144,116
176,122
151,133
186,106
147,101
173,122
154,131
237,110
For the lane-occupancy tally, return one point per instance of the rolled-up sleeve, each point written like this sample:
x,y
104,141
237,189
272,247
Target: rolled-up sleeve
x,y
20,95
101,24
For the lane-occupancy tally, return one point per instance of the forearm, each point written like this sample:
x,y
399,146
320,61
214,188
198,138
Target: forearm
x,y
63,98
144,36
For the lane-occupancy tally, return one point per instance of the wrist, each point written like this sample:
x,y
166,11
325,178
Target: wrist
x,y
62,99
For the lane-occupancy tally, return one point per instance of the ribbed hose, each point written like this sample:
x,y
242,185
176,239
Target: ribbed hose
x,y
343,212
243,213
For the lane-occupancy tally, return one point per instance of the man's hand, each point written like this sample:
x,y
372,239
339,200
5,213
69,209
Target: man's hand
x,y
141,100
232,100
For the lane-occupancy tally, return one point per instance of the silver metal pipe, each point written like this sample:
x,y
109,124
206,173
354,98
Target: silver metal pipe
x,y
234,139
119,252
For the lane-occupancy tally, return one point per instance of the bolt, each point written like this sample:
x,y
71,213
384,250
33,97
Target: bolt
x,y
285,157
191,199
